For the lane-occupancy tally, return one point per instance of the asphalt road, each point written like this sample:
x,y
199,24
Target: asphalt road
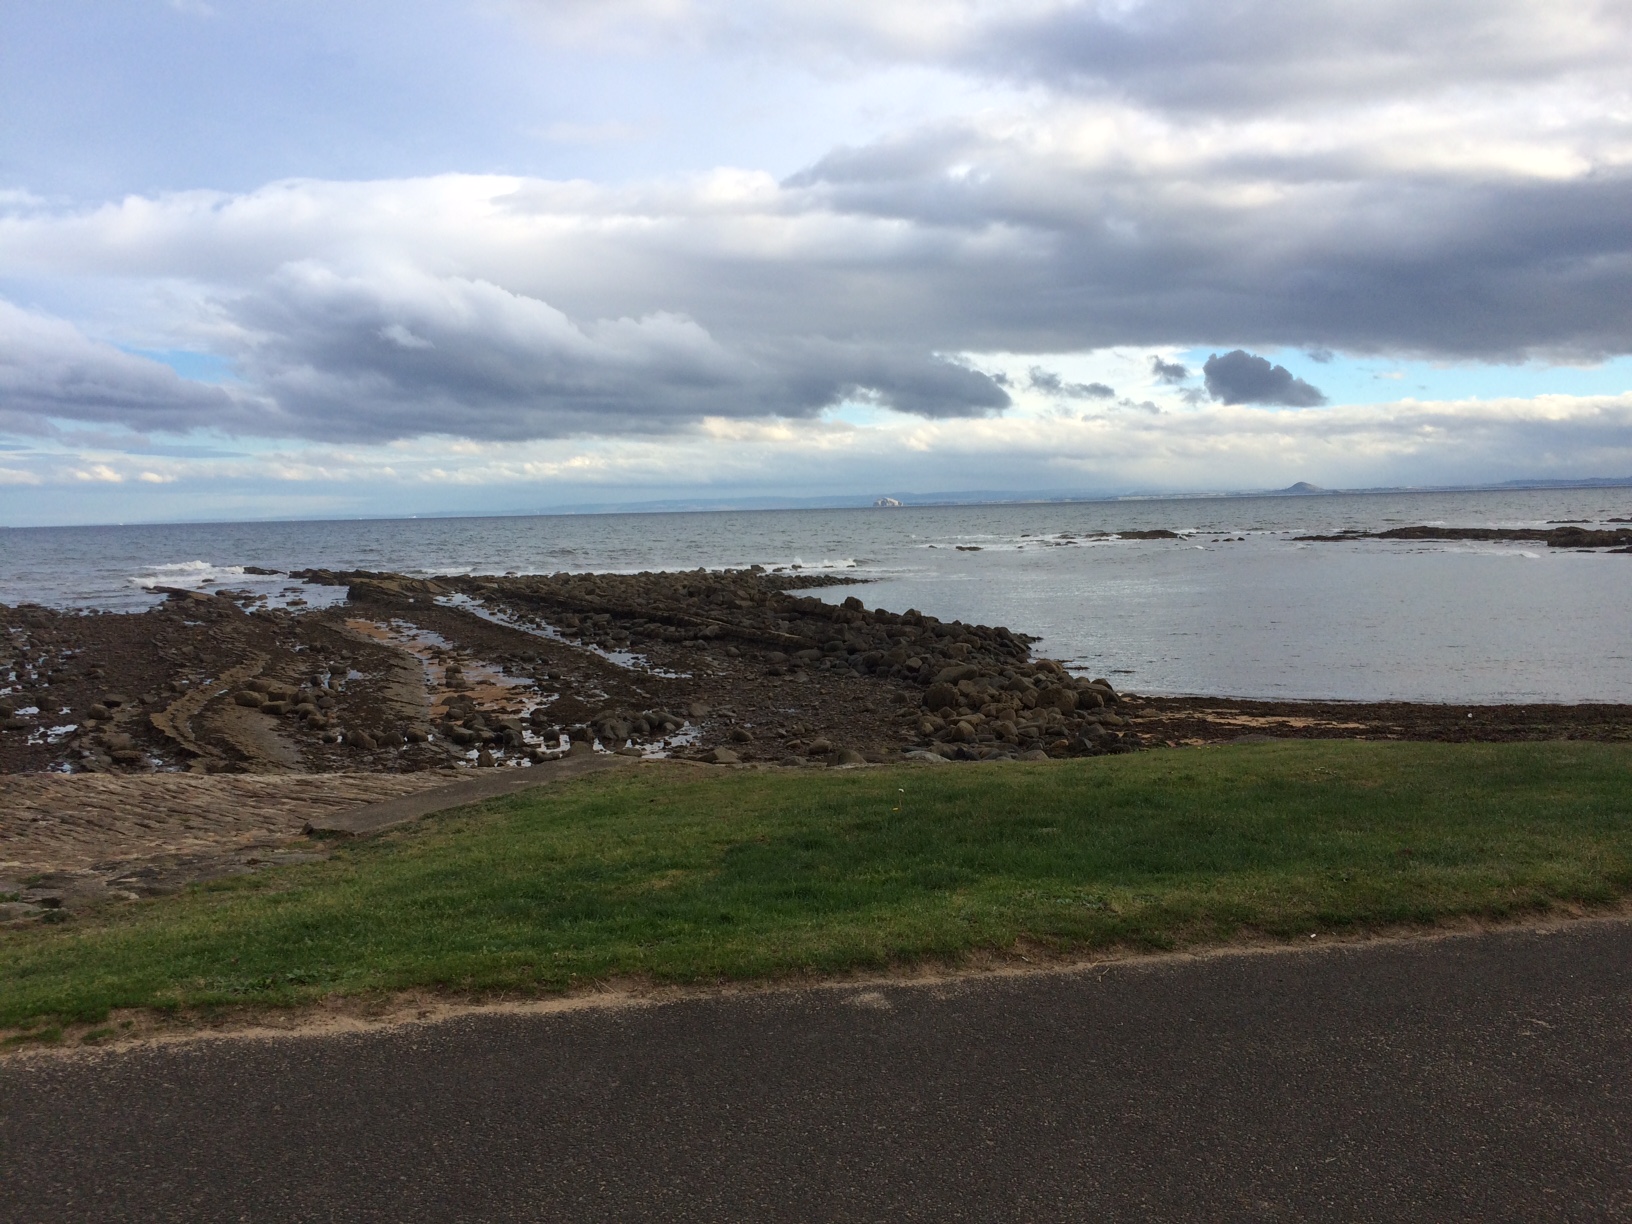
x,y
1485,1078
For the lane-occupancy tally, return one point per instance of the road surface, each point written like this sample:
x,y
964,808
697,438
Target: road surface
x,y
1471,1078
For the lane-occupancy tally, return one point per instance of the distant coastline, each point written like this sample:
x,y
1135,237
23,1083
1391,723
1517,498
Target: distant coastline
x,y
872,501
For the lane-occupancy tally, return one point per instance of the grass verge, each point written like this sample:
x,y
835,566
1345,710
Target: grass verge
x,y
682,876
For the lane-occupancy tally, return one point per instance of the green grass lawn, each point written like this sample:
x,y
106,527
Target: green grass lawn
x,y
682,875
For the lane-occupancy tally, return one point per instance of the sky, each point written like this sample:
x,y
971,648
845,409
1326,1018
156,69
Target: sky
x,y
277,258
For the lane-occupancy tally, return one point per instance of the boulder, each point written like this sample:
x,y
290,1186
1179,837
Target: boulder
x,y
721,756
819,747
924,757
847,756
939,696
958,671
250,699
1060,698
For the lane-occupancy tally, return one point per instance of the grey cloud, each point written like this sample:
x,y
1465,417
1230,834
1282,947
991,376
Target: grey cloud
x,y
1051,383
1265,53
49,370
406,354
1170,372
1239,377
1250,54
1429,264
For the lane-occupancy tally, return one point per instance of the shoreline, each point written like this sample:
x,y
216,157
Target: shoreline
x,y
404,674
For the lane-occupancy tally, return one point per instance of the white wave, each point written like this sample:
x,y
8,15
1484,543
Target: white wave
x,y
185,574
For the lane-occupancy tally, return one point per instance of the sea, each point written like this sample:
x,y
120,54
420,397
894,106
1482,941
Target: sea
x,y
1237,607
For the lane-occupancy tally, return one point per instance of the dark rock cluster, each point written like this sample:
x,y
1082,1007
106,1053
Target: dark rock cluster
x,y
1564,536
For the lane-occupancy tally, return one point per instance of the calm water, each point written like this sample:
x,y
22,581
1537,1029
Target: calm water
x,y
1263,617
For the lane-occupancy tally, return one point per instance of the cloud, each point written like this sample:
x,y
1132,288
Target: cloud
x,y
1270,174
398,353
1170,372
1239,377
1214,448
1050,383
1252,54
50,370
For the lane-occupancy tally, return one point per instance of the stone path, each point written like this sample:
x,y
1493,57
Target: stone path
x,y
77,822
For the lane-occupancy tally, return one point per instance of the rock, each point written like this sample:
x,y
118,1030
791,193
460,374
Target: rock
x,y
485,760
847,756
581,748
114,699
1062,699
740,736
98,713
699,709
925,757
361,739
275,708
250,699
940,696
819,747
955,673
721,756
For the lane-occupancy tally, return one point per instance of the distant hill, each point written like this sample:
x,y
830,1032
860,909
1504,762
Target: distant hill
x,y
1303,486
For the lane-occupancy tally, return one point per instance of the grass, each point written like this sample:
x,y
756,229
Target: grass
x,y
682,876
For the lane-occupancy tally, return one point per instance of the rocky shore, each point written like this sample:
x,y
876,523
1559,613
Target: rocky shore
x,y
1564,535
410,674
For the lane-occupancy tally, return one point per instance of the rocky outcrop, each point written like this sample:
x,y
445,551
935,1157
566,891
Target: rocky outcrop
x,y
1569,536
